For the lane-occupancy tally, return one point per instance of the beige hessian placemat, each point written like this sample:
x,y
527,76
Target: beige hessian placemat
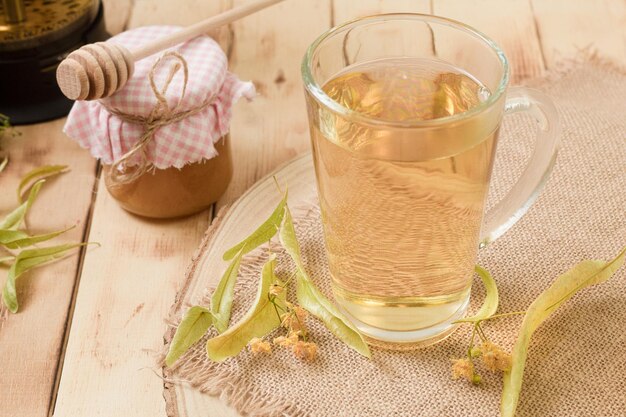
x,y
577,360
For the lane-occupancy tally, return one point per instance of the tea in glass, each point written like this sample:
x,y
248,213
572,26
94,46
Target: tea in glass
x,y
402,235
404,112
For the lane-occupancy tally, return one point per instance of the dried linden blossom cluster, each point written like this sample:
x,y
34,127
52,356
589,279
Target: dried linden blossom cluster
x,y
494,358
297,339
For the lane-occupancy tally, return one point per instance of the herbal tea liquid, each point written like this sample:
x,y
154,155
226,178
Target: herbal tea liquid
x,y
401,215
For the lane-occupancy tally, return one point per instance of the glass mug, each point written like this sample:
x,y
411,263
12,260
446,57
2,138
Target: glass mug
x,y
404,112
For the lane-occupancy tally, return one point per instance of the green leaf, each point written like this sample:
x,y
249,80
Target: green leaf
x,y
38,174
259,321
289,241
315,303
312,300
490,305
4,123
15,239
584,274
192,327
9,236
4,163
222,297
14,219
262,234
6,259
26,260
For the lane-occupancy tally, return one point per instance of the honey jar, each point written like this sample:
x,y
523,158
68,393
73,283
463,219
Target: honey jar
x,y
164,138
173,192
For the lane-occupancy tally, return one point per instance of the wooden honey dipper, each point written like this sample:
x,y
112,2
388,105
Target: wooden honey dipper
x,y
98,70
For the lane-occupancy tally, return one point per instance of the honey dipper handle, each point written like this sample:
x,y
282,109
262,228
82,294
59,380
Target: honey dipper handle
x,y
200,28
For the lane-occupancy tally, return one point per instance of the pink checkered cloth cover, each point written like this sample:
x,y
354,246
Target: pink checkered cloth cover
x,y
190,140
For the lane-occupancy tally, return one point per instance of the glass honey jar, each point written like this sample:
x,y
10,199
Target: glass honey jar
x,y
164,138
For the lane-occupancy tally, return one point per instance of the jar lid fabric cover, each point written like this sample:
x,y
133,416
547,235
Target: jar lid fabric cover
x,y
176,144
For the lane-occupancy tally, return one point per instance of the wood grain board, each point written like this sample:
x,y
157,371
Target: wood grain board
x,y
31,341
87,337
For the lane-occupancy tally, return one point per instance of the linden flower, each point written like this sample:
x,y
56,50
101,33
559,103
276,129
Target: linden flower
x,y
276,289
291,340
494,358
294,319
464,368
301,313
305,350
280,341
286,319
260,346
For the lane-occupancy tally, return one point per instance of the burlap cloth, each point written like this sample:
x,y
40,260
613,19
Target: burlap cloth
x,y
577,360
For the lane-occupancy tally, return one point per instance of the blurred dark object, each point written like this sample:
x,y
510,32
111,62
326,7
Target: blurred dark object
x,y
35,36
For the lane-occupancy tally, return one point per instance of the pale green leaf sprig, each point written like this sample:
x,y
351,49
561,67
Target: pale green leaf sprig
x,y
36,175
270,309
14,219
29,259
13,237
3,163
312,300
222,298
4,123
197,321
4,127
194,325
259,321
584,274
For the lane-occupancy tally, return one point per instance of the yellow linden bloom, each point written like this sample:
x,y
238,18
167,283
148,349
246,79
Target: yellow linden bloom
x,y
305,350
294,319
260,346
291,340
464,368
276,289
494,358
301,313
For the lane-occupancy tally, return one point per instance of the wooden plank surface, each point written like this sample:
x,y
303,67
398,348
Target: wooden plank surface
x,y
128,285
126,288
570,29
510,23
268,49
31,340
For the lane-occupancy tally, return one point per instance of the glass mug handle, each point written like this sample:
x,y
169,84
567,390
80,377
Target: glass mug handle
x,y
525,191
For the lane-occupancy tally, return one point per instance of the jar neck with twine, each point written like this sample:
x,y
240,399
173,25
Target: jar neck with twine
x,y
122,172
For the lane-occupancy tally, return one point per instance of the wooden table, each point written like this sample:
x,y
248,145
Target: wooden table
x,y
90,328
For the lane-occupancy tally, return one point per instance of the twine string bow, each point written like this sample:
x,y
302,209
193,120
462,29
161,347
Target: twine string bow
x,y
123,171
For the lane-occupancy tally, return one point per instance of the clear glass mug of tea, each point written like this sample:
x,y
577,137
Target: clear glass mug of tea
x,y
404,112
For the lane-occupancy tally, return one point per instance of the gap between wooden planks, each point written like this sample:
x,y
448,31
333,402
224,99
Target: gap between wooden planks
x,y
106,371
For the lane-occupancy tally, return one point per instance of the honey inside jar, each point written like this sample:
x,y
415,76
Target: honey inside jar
x,y
173,192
